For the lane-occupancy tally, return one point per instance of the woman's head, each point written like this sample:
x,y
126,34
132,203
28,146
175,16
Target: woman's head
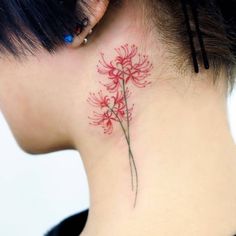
x,y
31,25
44,82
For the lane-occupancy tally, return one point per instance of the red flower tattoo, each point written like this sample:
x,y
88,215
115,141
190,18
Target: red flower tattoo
x,y
113,107
128,66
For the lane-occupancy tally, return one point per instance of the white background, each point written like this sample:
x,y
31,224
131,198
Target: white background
x,y
37,192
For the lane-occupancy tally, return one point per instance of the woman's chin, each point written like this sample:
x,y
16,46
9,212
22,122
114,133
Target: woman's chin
x,y
36,146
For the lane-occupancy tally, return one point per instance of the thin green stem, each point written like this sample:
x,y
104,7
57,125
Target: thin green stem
x,y
126,104
127,140
136,176
129,144
127,137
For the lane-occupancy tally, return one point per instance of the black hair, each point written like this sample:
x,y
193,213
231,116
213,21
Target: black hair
x,y
27,25
217,25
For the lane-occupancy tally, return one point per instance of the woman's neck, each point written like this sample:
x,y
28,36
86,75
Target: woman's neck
x,y
185,161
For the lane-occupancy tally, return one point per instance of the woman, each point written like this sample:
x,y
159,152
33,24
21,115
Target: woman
x,y
139,88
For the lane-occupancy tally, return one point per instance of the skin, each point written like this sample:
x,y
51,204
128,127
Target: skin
x,y
184,151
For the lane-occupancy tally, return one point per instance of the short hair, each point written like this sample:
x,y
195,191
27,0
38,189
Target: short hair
x,y
27,25
217,19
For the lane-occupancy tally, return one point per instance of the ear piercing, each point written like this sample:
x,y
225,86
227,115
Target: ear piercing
x,y
85,41
69,38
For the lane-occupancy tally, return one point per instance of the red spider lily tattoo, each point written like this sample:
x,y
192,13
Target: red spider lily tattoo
x,y
128,67
112,109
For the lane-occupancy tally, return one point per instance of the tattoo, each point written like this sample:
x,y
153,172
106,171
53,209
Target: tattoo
x,y
127,68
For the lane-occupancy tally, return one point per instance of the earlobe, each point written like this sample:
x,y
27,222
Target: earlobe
x,y
96,9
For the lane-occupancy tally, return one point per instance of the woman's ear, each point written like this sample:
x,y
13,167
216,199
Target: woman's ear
x,y
95,10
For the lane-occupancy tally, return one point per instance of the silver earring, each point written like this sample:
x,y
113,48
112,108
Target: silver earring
x,y
85,41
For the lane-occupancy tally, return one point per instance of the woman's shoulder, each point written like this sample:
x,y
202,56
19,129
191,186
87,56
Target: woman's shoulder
x,y
71,226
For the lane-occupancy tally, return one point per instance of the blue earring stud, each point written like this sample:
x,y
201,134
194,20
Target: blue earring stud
x,y
69,38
